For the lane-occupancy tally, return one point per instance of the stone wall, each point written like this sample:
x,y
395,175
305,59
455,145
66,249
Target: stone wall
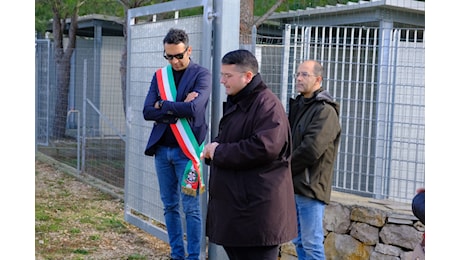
x,y
363,228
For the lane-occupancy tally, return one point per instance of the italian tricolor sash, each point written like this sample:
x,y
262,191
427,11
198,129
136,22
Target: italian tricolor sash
x,y
192,179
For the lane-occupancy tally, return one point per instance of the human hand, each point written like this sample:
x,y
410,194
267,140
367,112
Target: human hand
x,y
191,96
208,151
158,104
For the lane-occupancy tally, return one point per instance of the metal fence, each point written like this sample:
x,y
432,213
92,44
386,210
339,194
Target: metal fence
x,y
376,75
93,141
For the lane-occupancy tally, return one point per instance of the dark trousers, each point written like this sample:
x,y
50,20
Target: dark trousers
x,y
252,253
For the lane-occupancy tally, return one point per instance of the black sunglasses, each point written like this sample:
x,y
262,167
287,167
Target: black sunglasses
x,y
179,56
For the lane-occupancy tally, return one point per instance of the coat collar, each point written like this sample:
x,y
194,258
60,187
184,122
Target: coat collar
x,y
242,99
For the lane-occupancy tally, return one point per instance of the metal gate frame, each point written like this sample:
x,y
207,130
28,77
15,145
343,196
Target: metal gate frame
x,y
143,207
377,75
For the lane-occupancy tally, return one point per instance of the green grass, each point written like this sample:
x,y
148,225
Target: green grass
x,y
136,257
75,221
112,224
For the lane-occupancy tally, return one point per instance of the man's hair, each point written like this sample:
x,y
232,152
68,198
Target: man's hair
x,y
176,36
317,68
243,59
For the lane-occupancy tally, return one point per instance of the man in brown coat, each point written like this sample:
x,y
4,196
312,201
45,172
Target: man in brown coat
x,y
251,209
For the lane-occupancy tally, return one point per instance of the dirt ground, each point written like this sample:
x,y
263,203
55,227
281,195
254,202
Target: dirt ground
x,y
74,220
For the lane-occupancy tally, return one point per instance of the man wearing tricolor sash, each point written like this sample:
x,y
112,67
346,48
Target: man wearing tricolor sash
x,y
176,103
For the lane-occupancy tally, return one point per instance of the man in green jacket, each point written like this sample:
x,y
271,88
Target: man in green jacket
x,y
315,125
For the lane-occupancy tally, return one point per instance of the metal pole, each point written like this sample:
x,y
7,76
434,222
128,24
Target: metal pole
x,y
226,20
83,125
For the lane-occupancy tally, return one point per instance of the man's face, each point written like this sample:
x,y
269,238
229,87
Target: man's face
x,y
234,79
306,81
174,52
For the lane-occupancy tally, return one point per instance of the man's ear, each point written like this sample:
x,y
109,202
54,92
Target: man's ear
x,y
249,75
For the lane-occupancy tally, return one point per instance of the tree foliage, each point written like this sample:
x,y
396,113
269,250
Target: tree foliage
x,y
43,13
44,10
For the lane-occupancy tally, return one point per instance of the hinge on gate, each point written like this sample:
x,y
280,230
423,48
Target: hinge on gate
x,y
212,15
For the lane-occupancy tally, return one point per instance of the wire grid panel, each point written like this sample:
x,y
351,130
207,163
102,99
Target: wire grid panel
x,y
142,197
43,53
377,76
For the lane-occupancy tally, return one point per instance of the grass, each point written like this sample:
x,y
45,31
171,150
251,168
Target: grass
x,y
76,221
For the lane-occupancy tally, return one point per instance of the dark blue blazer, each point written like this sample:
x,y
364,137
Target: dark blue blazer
x,y
196,78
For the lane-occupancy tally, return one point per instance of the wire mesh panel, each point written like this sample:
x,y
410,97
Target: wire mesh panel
x,y
143,206
407,146
95,119
146,56
43,53
91,122
377,76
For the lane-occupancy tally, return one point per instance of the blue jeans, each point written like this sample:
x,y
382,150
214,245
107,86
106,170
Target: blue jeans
x,y
310,238
170,163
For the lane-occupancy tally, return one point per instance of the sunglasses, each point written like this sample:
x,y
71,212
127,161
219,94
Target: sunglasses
x,y
179,56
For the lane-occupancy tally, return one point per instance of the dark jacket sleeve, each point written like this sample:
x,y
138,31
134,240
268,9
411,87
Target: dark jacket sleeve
x,y
195,79
318,134
149,111
261,142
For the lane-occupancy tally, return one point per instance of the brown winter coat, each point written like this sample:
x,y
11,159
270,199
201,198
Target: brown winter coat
x,y
251,196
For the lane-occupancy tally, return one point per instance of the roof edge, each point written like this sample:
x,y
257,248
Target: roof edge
x,y
412,5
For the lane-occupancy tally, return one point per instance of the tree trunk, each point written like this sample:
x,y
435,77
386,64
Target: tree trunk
x,y
124,60
62,94
268,13
62,59
246,20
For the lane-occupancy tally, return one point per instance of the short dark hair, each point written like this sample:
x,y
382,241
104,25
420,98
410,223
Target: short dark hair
x,y
242,58
176,36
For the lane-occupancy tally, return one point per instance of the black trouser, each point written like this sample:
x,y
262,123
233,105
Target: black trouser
x,y
252,253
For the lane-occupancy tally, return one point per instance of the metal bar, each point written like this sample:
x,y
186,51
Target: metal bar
x,y
358,147
352,122
83,137
78,136
285,66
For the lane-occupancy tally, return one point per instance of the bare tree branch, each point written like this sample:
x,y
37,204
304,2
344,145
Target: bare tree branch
x,y
268,13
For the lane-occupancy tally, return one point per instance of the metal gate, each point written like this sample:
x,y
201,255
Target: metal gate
x,y
143,207
377,76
